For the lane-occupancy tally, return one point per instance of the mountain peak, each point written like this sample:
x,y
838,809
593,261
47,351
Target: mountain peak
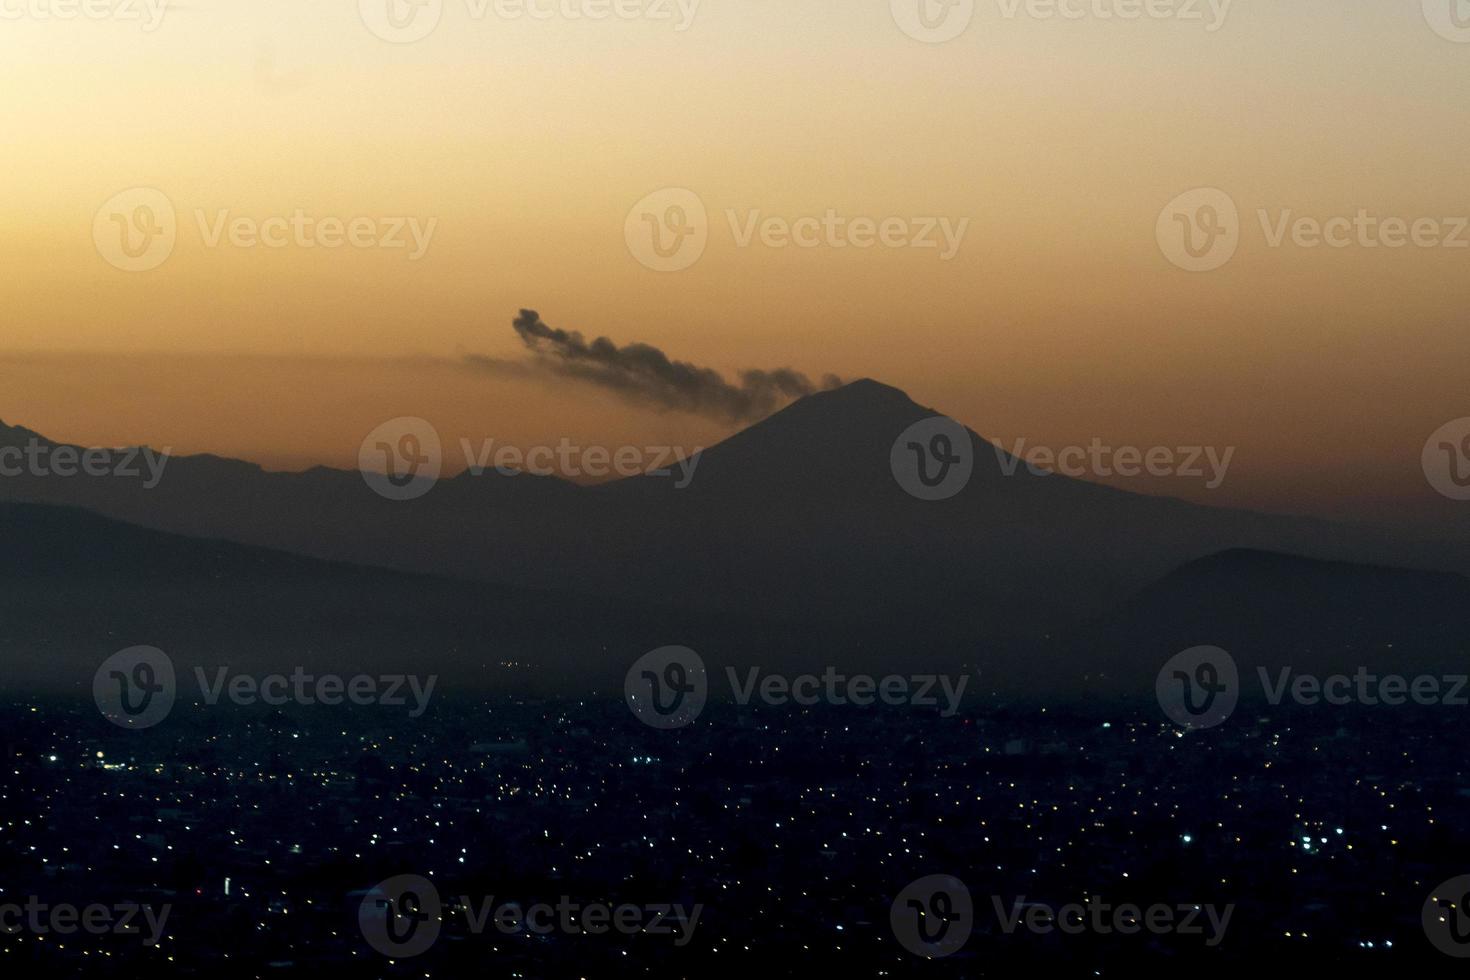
x,y
864,403
841,437
868,385
868,390
858,408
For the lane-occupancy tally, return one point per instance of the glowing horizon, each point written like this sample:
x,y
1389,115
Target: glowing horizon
x,y
527,151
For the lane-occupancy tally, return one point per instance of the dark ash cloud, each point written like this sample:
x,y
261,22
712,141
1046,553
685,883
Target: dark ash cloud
x,y
645,374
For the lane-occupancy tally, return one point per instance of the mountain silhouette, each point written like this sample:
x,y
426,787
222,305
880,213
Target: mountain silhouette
x,y
797,518
76,587
1274,611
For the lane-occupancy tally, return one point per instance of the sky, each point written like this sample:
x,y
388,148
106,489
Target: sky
x,y
1028,173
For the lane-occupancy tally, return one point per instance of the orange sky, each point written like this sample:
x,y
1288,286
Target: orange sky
x,y
525,143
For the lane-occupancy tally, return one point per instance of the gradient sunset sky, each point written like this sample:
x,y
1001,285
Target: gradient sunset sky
x,y
1059,320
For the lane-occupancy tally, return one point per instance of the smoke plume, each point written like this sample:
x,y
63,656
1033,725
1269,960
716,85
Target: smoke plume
x,y
645,374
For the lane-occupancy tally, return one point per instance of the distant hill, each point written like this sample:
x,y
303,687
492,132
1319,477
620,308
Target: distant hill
x,y
797,518
1272,610
75,588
